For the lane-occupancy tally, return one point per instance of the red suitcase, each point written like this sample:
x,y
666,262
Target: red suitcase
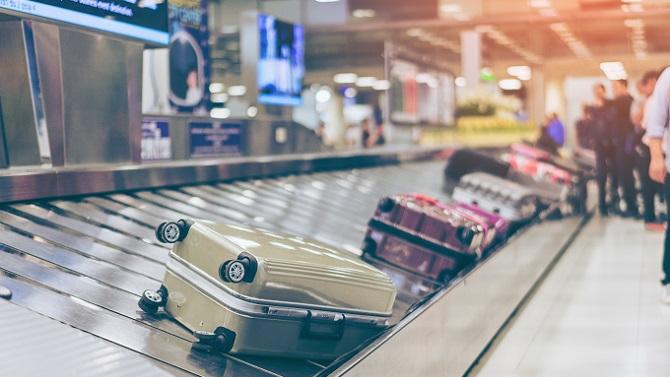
x,y
419,234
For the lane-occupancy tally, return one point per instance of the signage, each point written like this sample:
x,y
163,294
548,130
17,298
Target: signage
x,y
145,20
156,140
208,139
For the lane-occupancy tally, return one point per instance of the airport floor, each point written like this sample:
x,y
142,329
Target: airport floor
x,y
598,313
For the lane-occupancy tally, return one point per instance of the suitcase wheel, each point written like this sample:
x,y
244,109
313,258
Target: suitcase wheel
x,y
221,340
172,232
445,277
386,205
150,301
369,246
5,293
466,235
239,270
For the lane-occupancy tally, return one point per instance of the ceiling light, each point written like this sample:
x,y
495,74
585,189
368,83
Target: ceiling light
x,y
326,1
450,8
220,113
539,3
415,32
364,13
522,72
219,97
345,78
548,12
381,85
510,84
216,87
252,111
366,82
323,95
237,90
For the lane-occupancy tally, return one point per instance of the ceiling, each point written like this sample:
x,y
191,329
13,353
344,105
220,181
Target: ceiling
x,y
568,33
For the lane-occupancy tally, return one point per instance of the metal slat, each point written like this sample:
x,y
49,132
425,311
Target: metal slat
x,y
86,246
34,345
123,210
114,239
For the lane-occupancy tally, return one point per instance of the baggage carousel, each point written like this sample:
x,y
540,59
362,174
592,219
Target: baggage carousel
x,y
78,253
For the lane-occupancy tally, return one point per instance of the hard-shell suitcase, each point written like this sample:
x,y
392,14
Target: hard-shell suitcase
x,y
251,291
419,234
496,222
573,193
500,196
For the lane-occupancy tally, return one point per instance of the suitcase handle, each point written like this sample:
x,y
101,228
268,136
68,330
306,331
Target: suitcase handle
x,y
425,198
323,325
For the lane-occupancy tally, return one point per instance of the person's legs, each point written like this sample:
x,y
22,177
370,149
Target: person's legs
x,y
601,178
666,250
613,175
627,179
648,186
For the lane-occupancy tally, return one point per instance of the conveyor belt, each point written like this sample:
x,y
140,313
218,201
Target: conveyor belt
x,y
84,262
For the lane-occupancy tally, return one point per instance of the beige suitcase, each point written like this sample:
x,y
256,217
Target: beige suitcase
x,y
252,291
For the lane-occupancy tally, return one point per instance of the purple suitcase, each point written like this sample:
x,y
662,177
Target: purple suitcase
x,y
499,224
419,234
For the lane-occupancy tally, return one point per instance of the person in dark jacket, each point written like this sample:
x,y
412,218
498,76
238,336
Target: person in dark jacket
x,y
601,116
624,145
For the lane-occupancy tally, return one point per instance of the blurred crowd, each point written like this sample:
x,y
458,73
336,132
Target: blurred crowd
x,y
616,130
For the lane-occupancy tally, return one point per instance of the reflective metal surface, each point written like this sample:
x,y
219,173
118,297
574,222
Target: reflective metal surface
x,y
446,335
84,261
60,182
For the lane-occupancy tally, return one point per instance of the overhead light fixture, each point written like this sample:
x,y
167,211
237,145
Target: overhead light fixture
x,y
510,84
539,3
614,70
381,85
366,82
364,13
450,8
252,111
323,95
345,78
522,72
219,97
326,1
220,113
237,90
216,87
461,82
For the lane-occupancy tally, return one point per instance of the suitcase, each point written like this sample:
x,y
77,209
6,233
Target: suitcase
x,y
508,199
419,234
465,161
495,222
569,188
250,291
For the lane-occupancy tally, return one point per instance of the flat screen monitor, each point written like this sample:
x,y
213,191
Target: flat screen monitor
x,y
281,66
143,20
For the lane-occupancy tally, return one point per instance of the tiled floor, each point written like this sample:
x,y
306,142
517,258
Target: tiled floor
x,y
597,314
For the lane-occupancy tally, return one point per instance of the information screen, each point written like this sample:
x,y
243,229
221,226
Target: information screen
x,y
145,20
281,66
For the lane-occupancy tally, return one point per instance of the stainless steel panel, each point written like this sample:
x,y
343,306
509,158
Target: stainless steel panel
x,y
17,103
446,336
95,98
134,55
47,45
4,153
70,181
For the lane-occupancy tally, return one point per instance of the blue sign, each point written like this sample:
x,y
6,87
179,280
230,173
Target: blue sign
x,y
156,141
215,139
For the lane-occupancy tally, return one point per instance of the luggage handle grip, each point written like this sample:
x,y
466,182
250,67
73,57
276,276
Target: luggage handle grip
x,y
321,325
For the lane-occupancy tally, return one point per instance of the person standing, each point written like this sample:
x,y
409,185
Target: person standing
x,y
643,157
624,145
602,144
656,120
